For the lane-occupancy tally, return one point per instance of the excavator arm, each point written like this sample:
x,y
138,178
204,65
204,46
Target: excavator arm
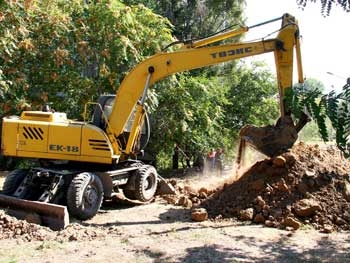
x,y
197,54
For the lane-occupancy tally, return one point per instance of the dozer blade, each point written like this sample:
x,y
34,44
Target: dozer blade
x,y
271,140
54,216
164,188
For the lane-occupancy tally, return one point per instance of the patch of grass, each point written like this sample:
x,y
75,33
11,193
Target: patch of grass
x,y
306,226
125,240
11,259
48,245
13,254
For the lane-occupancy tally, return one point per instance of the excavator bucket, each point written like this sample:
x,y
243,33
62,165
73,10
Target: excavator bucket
x,y
270,140
54,216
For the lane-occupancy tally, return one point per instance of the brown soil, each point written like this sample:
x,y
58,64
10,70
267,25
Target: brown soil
x,y
306,189
307,185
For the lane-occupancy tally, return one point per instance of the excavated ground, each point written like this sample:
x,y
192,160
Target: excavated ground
x,y
309,185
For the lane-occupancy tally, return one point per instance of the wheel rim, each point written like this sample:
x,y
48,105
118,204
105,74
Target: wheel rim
x,y
149,182
90,197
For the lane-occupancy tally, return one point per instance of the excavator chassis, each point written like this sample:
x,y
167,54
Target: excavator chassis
x,y
49,196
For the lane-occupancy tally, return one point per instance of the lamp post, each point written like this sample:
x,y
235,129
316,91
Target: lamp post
x,y
341,77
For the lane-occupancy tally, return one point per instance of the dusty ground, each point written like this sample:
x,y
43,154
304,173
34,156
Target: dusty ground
x,y
163,232
160,232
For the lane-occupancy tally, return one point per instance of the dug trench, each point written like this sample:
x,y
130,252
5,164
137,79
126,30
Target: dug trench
x,y
306,189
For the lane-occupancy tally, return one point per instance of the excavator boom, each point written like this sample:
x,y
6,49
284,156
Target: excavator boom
x,y
269,140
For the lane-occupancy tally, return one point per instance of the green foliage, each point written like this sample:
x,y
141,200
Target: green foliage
x,y
321,107
339,114
252,97
197,18
327,5
189,113
69,52
310,133
202,112
308,99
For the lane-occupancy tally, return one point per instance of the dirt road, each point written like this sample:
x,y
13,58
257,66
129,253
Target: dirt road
x,y
159,232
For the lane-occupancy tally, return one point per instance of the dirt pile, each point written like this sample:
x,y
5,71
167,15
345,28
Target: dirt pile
x,y
12,228
307,185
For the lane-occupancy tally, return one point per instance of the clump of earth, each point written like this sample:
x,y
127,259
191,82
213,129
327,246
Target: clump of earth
x,y
12,228
308,185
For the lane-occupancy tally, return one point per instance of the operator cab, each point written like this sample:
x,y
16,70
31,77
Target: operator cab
x,y
106,102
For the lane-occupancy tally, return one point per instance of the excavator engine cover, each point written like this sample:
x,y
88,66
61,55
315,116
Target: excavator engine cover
x,y
271,140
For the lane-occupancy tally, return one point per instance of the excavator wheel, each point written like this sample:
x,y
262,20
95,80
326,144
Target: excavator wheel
x,y
13,181
84,196
145,183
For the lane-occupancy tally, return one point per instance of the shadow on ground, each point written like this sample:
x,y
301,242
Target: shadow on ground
x,y
281,251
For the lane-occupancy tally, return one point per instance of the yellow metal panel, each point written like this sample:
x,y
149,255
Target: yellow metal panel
x,y
9,137
69,157
64,138
44,116
95,142
32,136
61,156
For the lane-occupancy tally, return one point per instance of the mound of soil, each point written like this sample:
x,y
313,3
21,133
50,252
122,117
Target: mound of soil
x,y
308,185
13,228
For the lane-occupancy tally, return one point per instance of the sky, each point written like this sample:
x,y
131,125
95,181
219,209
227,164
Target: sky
x,y
325,44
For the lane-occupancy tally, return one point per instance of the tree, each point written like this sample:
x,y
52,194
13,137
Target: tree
x,y
197,18
327,5
199,113
252,97
189,113
69,52
321,107
312,85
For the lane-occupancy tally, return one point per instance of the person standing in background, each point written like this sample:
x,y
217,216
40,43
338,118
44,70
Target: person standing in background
x,y
211,159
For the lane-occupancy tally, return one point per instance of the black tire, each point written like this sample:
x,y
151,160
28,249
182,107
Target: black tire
x,y
13,180
145,183
84,196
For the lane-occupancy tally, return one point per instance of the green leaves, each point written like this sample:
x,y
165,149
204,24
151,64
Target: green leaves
x,y
203,112
341,119
327,5
321,107
189,112
252,97
69,52
196,18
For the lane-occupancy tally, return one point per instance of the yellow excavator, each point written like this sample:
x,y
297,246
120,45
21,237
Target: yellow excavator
x,y
82,163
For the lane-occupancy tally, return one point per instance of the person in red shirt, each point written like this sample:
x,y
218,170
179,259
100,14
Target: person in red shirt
x,y
211,159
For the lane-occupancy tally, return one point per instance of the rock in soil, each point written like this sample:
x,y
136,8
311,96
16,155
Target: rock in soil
x,y
307,185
